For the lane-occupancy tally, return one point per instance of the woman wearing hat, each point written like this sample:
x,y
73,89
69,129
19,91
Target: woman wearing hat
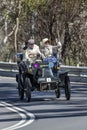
x,y
48,49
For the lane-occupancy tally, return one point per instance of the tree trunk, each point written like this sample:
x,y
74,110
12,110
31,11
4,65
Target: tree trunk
x,y
15,35
17,27
67,40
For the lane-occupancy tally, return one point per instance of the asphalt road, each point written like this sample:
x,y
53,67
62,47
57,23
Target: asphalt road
x,y
44,112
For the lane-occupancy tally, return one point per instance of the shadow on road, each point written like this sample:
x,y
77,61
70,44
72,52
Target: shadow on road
x,y
76,107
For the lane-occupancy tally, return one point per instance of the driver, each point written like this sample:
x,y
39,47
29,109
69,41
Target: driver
x,y
32,51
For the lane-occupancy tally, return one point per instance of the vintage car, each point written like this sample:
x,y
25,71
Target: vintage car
x,y
43,74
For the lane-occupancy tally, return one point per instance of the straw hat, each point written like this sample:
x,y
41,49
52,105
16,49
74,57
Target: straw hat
x,y
45,40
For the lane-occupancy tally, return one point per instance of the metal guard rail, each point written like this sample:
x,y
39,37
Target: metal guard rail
x,y
77,74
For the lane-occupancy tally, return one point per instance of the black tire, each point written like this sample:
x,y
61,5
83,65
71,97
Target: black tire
x,y
57,92
20,88
28,89
67,88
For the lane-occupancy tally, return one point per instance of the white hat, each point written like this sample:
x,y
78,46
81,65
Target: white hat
x,y
31,41
45,40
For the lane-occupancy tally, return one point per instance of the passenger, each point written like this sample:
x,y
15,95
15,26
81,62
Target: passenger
x,y
49,49
46,47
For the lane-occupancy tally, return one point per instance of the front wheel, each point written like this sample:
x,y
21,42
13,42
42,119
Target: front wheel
x,y
28,89
20,88
67,88
57,92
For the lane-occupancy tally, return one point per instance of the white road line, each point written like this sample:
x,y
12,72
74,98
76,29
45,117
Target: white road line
x,y
78,82
3,77
18,124
24,114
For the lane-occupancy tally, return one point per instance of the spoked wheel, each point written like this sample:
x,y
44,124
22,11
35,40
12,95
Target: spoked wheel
x,y
20,88
67,88
28,89
57,92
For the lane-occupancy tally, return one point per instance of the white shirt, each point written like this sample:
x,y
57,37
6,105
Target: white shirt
x,y
31,54
48,50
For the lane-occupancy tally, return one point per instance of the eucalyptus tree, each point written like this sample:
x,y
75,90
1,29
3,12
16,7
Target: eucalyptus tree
x,y
9,11
61,19
79,35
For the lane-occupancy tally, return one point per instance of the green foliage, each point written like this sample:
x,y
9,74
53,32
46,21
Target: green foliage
x,y
62,19
7,52
34,4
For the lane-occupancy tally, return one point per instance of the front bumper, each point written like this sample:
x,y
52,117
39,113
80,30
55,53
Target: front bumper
x,y
47,80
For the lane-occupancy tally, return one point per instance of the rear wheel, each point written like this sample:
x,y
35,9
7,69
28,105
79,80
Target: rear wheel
x,y
20,88
28,89
67,88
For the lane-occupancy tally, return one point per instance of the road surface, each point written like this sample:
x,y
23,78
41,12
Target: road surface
x,y
45,111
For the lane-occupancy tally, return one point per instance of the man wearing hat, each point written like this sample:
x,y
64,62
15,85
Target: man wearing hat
x,y
32,51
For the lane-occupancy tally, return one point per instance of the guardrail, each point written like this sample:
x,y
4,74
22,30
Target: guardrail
x,y
8,69
77,74
8,65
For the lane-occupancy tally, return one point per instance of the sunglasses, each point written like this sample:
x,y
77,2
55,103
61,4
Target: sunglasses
x,y
31,44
